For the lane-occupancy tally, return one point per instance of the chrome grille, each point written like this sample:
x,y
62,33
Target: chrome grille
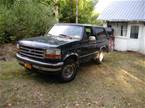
x,y
32,52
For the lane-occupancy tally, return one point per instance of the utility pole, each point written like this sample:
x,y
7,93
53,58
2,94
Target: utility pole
x,y
77,10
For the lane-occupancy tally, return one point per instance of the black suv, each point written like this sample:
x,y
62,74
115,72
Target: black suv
x,y
63,49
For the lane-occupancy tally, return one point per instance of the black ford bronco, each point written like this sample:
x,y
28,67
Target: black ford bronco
x,y
63,49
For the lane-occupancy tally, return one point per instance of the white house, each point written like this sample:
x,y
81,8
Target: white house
x,y
127,18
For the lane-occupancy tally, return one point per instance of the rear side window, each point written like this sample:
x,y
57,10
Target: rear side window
x,y
100,33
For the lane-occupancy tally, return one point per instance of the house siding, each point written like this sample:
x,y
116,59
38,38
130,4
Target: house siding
x,y
125,43
142,40
143,43
120,43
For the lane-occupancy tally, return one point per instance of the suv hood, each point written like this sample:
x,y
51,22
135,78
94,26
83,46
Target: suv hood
x,y
46,41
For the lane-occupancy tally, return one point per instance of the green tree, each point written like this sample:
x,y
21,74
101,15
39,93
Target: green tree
x,y
86,11
27,18
67,11
24,18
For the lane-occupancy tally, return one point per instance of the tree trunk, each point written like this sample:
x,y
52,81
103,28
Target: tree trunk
x,y
56,7
77,6
71,11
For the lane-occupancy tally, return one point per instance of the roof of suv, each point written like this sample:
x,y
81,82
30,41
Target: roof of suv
x,y
88,25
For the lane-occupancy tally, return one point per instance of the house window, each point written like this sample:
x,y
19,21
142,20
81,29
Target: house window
x,y
134,32
120,29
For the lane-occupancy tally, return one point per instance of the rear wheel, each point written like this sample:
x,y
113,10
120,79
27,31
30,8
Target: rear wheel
x,y
99,57
69,71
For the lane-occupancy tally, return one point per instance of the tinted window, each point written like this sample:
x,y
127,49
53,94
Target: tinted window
x,y
99,33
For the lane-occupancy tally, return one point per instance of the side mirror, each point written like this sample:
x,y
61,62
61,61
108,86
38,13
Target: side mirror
x,y
92,38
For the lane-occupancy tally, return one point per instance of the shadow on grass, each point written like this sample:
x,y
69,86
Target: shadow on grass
x,y
45,77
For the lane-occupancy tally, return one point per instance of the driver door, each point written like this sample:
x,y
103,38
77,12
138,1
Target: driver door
x,y
87,46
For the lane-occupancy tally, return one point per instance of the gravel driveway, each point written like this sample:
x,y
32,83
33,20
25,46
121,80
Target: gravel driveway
x,y
117,83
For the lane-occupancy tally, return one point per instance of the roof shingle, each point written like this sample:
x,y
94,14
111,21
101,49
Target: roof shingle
x,y
125,10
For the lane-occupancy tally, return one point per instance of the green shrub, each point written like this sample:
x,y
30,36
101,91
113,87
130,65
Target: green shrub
x,y
25,18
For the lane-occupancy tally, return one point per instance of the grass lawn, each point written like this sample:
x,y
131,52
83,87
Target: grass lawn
x,y
117,83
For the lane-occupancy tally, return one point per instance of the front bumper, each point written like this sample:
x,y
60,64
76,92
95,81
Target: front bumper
x,y
51,67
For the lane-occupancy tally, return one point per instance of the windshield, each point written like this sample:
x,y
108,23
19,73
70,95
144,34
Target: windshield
x,y
67,30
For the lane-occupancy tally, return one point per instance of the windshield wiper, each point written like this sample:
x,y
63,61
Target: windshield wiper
x,y
65,36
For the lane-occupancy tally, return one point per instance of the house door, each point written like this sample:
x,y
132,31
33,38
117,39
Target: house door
x,y
133,40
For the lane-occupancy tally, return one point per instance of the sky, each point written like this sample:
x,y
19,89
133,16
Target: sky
x,y
102,4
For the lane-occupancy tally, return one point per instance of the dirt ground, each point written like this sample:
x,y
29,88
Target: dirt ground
x,y
7,51
117,83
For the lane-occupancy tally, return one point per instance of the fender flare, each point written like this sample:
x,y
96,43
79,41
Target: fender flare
x,y
69,55
103,47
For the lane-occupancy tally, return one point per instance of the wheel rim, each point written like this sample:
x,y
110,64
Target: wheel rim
x,y
68,71
100,56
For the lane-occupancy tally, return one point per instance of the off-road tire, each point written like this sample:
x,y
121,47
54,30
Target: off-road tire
x,y
69,71
99,57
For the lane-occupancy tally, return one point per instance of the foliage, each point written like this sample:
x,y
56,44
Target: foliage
x,y
86,11
67,11
24,18
93,19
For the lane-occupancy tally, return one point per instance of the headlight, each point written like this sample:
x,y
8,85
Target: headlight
x,y
53,53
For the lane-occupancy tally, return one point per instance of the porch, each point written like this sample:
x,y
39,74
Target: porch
x,y
129,36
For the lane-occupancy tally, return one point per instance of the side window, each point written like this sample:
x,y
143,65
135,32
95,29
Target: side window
x,y
99,33
134,32
88,32
122,30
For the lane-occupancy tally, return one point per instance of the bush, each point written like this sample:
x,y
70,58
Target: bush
x,y
25,18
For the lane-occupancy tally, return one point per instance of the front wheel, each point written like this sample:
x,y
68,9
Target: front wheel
x,y
99,57
69,71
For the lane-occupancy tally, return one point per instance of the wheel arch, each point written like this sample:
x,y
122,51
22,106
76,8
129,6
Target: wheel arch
x,y
104,48
73,56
